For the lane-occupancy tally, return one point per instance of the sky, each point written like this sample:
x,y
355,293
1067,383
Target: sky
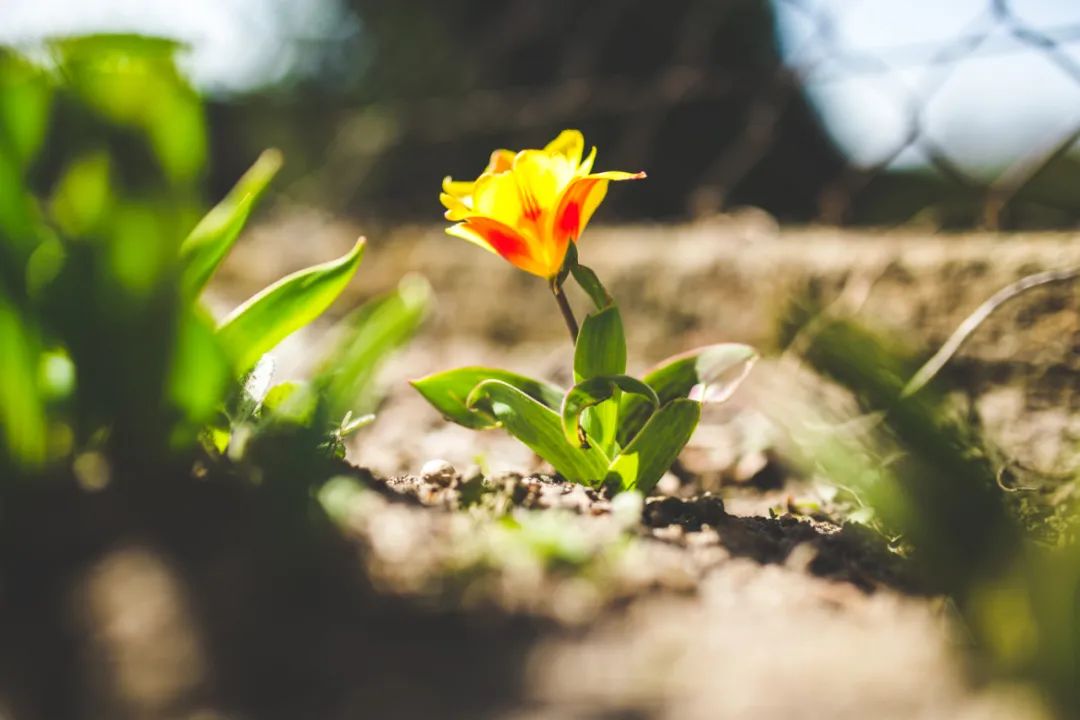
x,y
878,67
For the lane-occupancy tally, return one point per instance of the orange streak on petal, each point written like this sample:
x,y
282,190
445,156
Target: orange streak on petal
x,y
462,231
509,243
580,199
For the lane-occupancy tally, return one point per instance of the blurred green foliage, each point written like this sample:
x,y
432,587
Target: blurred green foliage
x,y
933,480
106,347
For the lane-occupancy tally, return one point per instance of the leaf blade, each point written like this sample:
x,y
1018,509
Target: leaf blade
x,y
274,313
650,454
23,419
601,345
725,364
590,393
203,250
375,330
540,428
448,391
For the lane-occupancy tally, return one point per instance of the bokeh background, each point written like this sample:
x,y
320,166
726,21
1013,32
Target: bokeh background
x,y
808,161
948,114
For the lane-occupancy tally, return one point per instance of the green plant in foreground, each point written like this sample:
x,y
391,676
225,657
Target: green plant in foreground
x,y
610,428
107,347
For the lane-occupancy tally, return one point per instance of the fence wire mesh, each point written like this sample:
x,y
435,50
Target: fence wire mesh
x,y
711,98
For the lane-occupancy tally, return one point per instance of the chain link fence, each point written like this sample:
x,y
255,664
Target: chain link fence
x,y
709,97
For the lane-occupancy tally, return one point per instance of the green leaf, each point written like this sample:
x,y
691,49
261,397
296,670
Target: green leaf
x,y
449,391
372,333
83,195
720,368
271,315
644,461
22,410
591,284
199,375
539,428
25,102
254,387
133,82
203,250
293,402
601,345
594,391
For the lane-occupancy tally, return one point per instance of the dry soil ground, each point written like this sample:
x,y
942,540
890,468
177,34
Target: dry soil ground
x,y
710,602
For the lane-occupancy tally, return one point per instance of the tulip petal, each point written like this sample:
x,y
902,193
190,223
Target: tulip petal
x,y
496,196
577,206
586,165
581,199
456,208
618,175
500,161
541,179
507,242
458,188
569,144
463,231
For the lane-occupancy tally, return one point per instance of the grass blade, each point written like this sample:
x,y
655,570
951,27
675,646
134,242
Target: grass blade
x,y
374,331
276,312
207,245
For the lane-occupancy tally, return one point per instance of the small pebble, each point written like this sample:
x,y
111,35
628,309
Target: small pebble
x,y
439,471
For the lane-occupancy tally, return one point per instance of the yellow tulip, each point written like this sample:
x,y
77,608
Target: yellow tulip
x,y
528,206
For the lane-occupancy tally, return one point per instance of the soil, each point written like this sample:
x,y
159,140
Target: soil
x,y
481,587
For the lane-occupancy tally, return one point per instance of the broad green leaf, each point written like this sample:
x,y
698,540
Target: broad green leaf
x,y
719,368
650,454
601,351
601,345
203,250
594,391
22,411
449,391
539,428
276,312
372,333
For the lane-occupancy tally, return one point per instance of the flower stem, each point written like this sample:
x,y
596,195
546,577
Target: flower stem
x,y
564,307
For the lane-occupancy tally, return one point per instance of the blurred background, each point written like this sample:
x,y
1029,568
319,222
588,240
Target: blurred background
x,y
957,114
809,161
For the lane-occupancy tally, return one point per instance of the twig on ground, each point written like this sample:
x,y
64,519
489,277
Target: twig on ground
x,y
934,365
